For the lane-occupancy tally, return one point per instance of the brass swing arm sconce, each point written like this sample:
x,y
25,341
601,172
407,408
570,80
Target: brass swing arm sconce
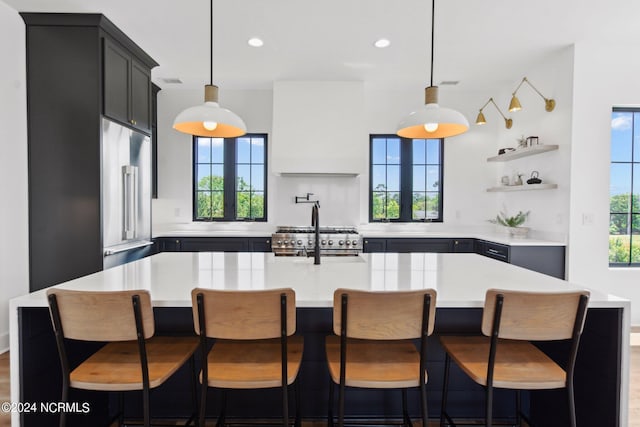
x,y
514,105
480,120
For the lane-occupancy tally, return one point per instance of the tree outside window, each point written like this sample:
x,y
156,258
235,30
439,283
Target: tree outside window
x,y
230,178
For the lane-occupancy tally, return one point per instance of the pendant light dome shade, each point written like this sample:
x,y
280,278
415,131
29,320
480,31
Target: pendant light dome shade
x,y
432,121
209,119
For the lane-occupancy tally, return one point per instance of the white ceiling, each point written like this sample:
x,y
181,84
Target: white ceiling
x,y
481,43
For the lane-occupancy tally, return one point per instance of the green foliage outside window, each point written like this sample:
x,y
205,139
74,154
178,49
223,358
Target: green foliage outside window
x,y
386,205
249,203
624,237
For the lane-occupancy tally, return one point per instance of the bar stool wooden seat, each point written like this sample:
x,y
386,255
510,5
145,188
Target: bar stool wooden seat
x,y
132,359
505,357
372,347
255,346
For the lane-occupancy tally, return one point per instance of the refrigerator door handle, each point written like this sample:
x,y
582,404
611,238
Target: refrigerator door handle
x,y
130,184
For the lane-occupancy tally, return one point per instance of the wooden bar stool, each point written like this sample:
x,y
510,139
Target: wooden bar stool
x,y
132,359
372,347
255,346
505,358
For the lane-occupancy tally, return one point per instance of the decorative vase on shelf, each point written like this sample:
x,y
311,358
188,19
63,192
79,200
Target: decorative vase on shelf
x,y
518,232
513,223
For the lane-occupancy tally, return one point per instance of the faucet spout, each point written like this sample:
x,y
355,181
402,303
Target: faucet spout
x,y
315,222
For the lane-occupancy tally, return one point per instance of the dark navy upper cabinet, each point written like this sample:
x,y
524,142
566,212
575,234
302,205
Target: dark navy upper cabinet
x,y
127,87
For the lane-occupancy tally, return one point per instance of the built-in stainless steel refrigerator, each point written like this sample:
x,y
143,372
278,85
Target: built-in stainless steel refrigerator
x,y
126,192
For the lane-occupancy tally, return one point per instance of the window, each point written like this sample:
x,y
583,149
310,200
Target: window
x,y
405,179
230,178
624,188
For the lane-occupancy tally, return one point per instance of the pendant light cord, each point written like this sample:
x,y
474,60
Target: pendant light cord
x,y
433,13
211,45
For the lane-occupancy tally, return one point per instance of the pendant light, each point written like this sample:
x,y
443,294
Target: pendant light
x,y
209,119
432,120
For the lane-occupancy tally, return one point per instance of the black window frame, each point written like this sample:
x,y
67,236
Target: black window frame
x,y
230,176
406,180
630,212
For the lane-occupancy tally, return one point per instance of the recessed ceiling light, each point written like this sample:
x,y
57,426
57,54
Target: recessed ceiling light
x,y
382,43
255,42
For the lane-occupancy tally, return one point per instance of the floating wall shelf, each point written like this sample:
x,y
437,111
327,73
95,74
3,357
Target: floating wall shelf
x,y
524,187
522,152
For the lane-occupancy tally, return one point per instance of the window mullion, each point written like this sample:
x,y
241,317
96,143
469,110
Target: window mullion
x,y
229,179
406,184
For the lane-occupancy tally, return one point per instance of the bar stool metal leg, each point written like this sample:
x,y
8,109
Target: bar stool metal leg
x,y
445,389
330,406
298,421
572,405
405,412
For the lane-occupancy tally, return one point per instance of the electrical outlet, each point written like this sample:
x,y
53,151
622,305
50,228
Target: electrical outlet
x,y
176,212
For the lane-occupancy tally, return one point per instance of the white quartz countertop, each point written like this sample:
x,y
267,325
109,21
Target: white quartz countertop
x,y
461,280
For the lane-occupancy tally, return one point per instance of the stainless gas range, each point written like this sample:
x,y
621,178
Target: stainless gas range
x,y
299,241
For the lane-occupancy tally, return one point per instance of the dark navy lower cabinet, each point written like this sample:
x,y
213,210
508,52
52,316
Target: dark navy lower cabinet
x,y
543,259
463,245
493,250
375,245
213,244
259,244
419,245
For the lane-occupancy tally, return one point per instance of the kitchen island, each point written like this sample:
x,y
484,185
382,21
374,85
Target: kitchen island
x,y
460,279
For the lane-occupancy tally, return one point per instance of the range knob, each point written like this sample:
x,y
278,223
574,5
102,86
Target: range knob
x,y
279,242
341,242
299,242
330,242
348,242
310,242
354,242
324,242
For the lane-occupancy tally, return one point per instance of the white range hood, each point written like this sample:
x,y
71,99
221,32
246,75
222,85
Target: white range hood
x,y
319,128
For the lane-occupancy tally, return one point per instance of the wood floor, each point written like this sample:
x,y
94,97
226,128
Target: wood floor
x,y
634,392
5,419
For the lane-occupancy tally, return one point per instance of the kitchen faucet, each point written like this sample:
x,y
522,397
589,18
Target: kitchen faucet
x,y
315,222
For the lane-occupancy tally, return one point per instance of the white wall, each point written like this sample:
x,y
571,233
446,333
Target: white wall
x,y
553,77
606,75
344,200
14,268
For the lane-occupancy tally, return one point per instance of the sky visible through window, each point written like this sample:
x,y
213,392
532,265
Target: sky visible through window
x,y
624,188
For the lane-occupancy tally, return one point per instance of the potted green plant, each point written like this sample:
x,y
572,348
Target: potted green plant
x,y
513,223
